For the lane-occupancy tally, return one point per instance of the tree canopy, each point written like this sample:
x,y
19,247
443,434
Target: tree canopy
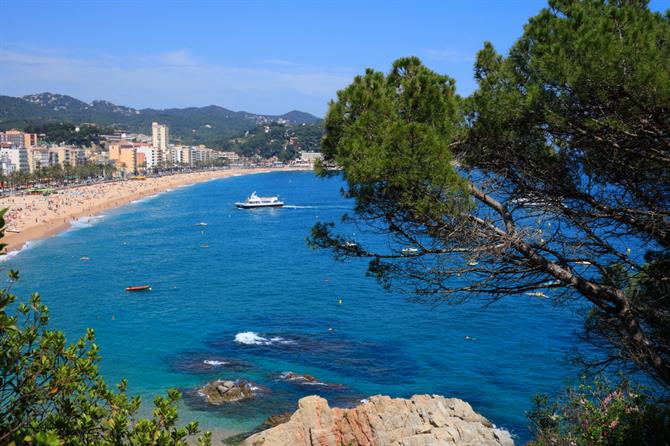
x,y
552,178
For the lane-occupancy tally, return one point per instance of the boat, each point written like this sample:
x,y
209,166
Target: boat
x,y
254,201
202,223
139,288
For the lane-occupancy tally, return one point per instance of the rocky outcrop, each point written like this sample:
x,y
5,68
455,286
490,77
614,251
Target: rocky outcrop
x,y
423,420
221,392
290,376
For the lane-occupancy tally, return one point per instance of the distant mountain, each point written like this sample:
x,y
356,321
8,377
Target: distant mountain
x,y
211,125
298,117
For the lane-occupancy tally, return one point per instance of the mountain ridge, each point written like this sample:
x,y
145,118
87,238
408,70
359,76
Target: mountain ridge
x,y
211,124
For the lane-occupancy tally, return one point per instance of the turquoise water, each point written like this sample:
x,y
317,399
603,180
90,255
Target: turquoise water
x,y
258,281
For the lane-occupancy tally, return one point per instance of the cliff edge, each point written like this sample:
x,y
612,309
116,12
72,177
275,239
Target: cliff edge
x,y
423,420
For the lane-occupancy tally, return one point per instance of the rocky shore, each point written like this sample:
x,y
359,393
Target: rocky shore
x,y
221,392
423,420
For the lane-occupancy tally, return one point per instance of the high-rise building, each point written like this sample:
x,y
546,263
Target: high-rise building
x,y
160,136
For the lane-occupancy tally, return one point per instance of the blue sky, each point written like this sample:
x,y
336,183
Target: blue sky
x,y
257,56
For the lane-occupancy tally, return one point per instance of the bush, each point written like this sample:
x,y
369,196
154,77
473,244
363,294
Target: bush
x,y
599,414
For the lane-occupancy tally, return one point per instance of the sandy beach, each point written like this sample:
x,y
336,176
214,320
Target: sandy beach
x,y
32,217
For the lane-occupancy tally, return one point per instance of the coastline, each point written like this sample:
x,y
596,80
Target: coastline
x,y
112,195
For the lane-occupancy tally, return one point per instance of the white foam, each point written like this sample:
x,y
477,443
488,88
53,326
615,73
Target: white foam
x,y
10,255
145,199
214,362
251,338
86,222
292,206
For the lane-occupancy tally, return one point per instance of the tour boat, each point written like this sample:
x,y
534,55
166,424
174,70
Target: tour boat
x,y
139,288
254,201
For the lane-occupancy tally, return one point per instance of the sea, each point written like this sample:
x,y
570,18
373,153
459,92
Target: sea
x,y
239,294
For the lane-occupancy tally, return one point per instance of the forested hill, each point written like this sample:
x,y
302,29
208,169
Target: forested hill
x,y
212,125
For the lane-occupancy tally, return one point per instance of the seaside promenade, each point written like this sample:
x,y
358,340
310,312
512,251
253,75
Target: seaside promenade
x,y
31,217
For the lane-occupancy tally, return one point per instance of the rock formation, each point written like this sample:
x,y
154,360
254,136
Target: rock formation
x,y
423,420
220,392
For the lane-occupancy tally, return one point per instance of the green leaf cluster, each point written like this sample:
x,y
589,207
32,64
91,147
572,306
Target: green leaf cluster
x,y
600,414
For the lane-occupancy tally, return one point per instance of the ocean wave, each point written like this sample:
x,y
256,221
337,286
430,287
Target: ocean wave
x,y
86,222
145,199
252,338
214,362
10,255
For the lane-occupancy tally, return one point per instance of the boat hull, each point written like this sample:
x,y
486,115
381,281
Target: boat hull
x,y
139,288
255,206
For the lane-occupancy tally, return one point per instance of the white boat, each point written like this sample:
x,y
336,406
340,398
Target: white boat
x,y
254,201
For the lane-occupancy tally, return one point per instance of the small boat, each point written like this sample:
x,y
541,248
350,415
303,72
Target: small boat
x,y
409,250
139,288
84,258
204,245
202,223
254,201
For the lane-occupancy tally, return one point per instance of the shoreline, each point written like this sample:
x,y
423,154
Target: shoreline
x,y
123,193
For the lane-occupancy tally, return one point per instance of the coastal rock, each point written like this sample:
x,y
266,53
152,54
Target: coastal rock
x,y
297,377
423,420
220,392
306,380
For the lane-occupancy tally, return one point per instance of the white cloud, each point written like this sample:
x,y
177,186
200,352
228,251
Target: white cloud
x,y
170,79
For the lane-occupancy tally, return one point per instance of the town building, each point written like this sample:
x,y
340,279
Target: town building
x,y
40,157
67,156
13,158
160,136
230,156
310,157
18,138
151,156
124,156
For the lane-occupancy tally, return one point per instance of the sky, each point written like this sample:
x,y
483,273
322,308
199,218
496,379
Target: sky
x,y
264,57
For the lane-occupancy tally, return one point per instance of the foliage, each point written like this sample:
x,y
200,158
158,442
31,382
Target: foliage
x,y
63,133
51,393
552,179
58,174
278,140
599,414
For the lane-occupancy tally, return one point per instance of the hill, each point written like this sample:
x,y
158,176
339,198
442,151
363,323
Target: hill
x,y
212,125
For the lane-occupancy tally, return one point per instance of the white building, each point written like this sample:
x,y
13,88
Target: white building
x,y
310,157
231,156
152,156
13,159
201,155
160,136
39,157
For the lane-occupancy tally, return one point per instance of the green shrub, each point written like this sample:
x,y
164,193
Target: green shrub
x,y
600,414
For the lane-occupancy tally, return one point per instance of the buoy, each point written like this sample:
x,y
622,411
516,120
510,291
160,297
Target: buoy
x,y
339,301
